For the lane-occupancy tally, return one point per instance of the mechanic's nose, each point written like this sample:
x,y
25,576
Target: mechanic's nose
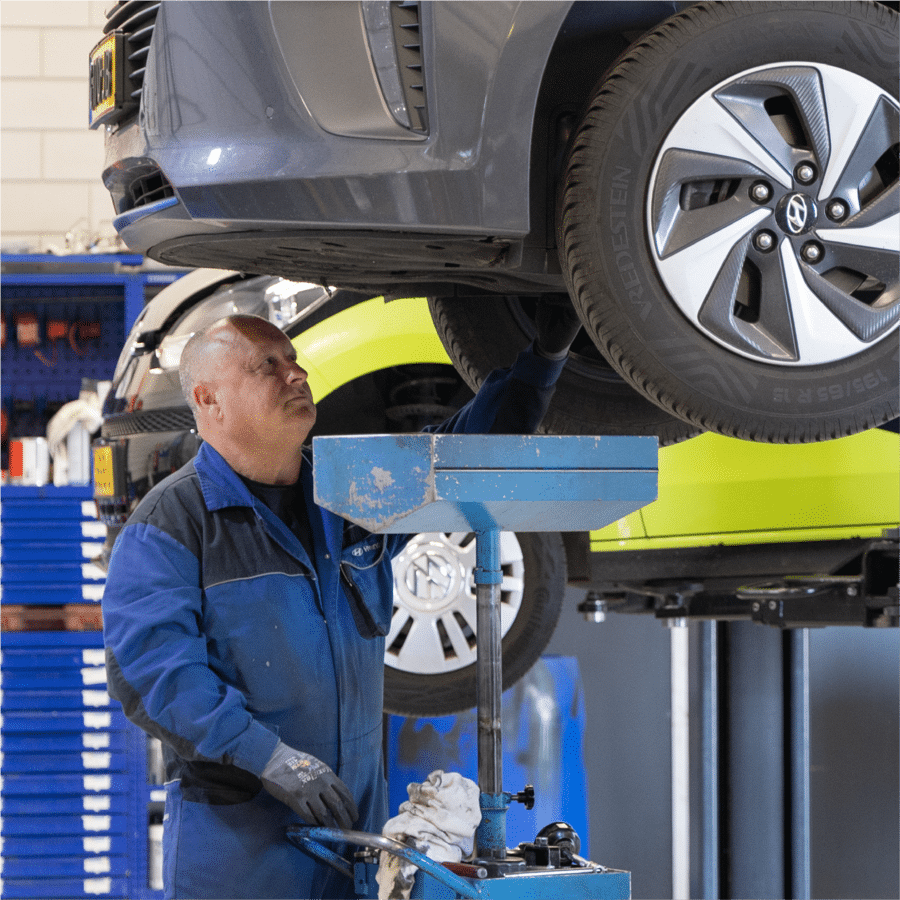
x,y
296,372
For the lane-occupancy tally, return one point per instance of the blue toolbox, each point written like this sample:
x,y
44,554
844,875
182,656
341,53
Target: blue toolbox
x,y
50,537
68,780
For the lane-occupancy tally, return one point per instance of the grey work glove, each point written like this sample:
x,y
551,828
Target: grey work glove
x,y
557,325
309,787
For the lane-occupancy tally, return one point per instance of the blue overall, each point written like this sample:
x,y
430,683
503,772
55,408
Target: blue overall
x,y
223,636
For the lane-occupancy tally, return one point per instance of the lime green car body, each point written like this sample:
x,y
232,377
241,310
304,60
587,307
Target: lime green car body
x,y
713,490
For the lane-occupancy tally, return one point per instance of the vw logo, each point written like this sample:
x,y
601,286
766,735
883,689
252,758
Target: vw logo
x,y
429,577
796,214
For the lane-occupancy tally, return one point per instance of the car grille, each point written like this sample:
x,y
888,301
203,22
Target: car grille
x,y
147,186
149,421
408,43
136,20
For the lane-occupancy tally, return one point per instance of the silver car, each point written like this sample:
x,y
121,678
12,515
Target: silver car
x,y
715,186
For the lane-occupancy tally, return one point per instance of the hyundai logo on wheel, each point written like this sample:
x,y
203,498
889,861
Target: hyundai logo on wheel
x,y
796,213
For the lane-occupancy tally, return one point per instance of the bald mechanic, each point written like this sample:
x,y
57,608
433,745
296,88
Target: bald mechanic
x,y
244,625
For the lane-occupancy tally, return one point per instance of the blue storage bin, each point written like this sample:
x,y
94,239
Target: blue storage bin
x,y
64,743
43,573
54,678
64,867
87,846
90,886
41,826
51,641
48,552
90,698
28,784
53,594
84,761
32,504
51,658
71,529
61,805
63,721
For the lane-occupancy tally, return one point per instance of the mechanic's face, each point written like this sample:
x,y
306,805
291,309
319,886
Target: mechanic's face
x,y
264,400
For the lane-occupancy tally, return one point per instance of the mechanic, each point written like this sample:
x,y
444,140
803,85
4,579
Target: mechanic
x,y
244,625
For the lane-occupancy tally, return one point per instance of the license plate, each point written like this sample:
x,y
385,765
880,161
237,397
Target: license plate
x,y
104,473
108,96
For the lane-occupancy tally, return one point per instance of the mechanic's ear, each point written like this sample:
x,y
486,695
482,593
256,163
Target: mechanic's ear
x,y
206,399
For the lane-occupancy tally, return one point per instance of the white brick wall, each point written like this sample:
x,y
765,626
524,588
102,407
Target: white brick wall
x,y
50,162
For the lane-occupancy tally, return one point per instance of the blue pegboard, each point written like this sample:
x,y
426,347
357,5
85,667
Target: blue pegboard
x,y
26,373
108,290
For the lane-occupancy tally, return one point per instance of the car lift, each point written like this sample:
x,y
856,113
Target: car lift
x,y
483,484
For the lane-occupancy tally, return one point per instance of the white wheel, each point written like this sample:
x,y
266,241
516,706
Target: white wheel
x,y
434,624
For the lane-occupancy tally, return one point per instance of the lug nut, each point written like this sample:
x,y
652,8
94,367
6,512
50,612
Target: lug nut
x,y
761,192
764,241
594,608
836,210
805,173
812,252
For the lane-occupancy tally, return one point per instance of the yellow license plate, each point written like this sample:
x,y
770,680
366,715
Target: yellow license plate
x,y
107,93
104,480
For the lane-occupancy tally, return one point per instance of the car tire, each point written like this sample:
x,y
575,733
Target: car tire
x,y
423,676
667,200
484,333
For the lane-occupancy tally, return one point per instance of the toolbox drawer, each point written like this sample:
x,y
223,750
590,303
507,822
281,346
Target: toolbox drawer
x,y
51,658
24,721
28,784
64,867
87,846
55,804
64,743
71,529
83,761
92,886
18,508
53,679
39,827
90,698
50,573
38,553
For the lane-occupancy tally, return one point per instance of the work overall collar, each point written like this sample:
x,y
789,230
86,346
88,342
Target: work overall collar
x,y
223,488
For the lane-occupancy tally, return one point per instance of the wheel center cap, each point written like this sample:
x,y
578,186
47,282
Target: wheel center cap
x,y
796,213
427,578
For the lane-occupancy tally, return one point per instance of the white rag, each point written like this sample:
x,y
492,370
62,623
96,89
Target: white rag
x,y
439,820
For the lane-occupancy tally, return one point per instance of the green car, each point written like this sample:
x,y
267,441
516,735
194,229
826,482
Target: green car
x,y
788,535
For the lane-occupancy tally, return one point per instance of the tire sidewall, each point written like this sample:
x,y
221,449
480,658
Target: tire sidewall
x,y
583,402
636,111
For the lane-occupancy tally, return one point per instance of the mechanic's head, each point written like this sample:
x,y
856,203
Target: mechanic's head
x,y
249,396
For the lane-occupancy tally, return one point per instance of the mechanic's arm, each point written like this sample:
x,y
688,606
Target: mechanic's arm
x,y
157,668
156,660
515,400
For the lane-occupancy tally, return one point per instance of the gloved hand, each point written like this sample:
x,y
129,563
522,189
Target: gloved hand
x,y
309,787
557,325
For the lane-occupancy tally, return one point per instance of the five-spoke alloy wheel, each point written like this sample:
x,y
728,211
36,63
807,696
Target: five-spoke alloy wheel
x,y
729,220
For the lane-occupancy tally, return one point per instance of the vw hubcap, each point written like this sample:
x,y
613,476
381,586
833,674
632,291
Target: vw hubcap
x,y
433,629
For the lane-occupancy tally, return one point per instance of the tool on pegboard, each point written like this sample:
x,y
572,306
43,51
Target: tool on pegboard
x,y
57,330
84,331
28,329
